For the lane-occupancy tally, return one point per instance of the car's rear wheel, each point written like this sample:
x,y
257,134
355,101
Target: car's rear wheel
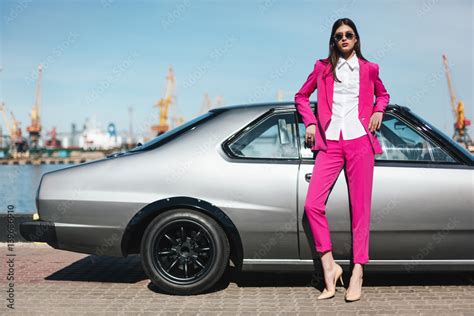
x,y
184,252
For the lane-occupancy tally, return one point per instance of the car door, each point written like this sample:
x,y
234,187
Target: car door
x,y
422,197
421,200
262,170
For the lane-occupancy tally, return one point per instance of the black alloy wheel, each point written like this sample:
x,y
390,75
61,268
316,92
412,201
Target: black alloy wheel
x,y
184,252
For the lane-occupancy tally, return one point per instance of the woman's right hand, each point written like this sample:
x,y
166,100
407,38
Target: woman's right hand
x,y
310,132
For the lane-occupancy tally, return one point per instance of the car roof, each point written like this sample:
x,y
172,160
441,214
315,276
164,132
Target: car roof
x,y
283,104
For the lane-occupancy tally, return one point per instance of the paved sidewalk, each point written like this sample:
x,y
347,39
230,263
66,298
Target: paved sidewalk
x,y
49,281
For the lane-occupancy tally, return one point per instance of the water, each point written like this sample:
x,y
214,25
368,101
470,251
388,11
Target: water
x,y
18,185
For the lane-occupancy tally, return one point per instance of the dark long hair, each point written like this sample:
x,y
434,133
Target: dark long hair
x,y
334,52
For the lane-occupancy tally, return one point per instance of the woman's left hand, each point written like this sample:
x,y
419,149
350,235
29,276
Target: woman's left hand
x,y
375,121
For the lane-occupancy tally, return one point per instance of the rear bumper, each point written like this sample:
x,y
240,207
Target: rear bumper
x,y
41,231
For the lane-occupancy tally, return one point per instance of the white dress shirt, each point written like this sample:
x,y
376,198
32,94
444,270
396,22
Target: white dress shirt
x,y
345,112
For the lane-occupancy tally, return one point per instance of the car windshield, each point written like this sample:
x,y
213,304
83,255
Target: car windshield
x,y
171,134
442,134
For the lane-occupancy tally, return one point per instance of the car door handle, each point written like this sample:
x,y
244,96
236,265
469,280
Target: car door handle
x,y
307,177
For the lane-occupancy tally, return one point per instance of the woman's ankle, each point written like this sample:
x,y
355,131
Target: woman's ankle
x,y
327,260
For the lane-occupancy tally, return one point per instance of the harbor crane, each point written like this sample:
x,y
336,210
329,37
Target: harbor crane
x,y
207,103
461,134
18,145
34,128
164,104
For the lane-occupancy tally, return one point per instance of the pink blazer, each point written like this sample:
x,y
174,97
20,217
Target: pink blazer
x,y
321,78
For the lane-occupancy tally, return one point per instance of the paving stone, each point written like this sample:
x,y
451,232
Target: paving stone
x,y
56,282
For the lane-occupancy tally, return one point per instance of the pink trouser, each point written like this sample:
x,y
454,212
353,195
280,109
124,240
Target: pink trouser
x,y
359,160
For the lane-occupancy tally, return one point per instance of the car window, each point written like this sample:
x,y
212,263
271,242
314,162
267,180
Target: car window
x,y
274,138
402,142
399,141
445,137
175,132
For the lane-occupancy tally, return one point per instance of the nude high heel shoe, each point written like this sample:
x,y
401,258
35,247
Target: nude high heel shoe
x,y
328,294
354,298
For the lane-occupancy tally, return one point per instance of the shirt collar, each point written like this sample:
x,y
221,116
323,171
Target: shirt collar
x,y
353,62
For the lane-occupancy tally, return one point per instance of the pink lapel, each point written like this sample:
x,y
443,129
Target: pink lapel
x,y
363,80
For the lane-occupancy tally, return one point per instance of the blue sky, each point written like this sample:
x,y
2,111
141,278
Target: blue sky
x,y
100,57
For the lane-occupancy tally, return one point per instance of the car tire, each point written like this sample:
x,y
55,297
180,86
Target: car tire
x,y
184,265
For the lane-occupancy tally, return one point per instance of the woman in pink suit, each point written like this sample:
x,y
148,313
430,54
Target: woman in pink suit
x,y
344,136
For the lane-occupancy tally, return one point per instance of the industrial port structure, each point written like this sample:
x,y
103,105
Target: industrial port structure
x,y
91,142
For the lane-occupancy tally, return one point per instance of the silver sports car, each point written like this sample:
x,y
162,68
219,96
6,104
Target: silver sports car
x,y
228,189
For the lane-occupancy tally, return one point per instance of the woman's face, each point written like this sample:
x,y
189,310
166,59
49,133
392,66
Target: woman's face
x,y
344,42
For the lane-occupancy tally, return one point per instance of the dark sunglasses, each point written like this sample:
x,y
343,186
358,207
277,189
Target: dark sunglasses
x,y
339,36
